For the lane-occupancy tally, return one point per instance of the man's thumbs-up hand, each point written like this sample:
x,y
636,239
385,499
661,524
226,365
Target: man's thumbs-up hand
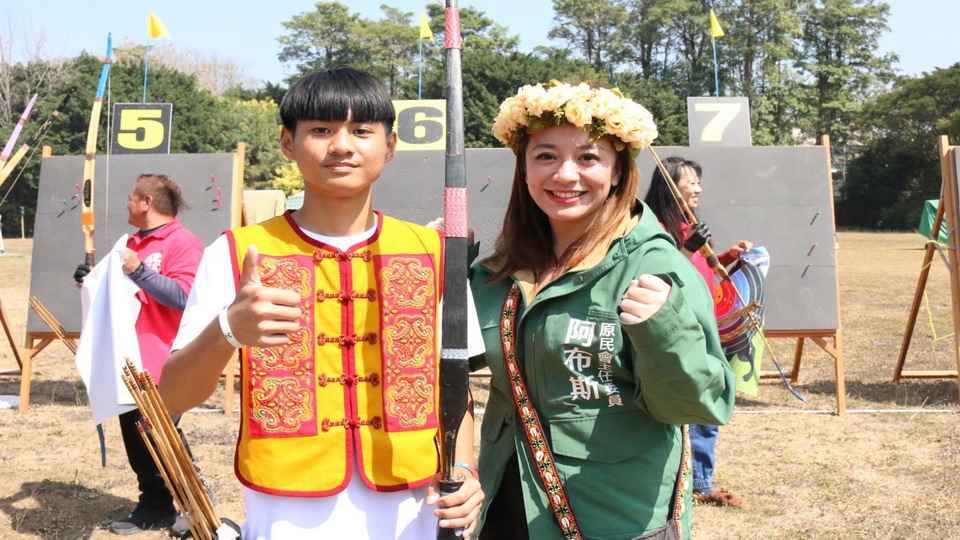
x,y
262,316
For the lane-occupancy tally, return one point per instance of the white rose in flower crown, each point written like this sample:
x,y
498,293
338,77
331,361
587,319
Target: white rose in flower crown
x,y
578,112
599,110
605,104
614,126
512,116
518,114
514,111
582,91
557,96
642,134
534,99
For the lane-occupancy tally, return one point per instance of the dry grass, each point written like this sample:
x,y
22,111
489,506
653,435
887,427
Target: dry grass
x,y
815,475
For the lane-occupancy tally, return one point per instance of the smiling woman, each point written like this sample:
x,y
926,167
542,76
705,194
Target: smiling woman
x,y
569,179
591,315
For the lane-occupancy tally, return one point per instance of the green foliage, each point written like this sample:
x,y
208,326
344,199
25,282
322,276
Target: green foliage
x,y
288,179
900,166
808,67
838,43
479,32
202,123
593,27
321,39
669,111
489,77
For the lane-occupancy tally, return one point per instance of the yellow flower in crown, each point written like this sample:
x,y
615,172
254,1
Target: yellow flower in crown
x,y
600,111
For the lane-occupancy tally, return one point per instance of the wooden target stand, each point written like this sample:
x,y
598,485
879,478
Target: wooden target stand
x,y
949,209
35,342
20,357
829,340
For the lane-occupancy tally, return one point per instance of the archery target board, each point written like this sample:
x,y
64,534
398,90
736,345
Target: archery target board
x,y
776,197
779,198
58,239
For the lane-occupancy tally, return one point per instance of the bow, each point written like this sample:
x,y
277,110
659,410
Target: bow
x,y
17,129
86,197
32,141
89,166
454,365
707,252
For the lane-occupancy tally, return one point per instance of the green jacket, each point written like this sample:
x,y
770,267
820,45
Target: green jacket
x,y
612,397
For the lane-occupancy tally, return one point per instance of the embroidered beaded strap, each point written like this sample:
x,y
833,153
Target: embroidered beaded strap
x,y
532,428
683,481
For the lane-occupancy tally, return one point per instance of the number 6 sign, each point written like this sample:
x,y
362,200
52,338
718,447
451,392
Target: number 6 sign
x,y
421,124
141,128
718,121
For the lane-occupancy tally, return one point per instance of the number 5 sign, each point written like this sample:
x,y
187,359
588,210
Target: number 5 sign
x,y
421,124
718,121
141,128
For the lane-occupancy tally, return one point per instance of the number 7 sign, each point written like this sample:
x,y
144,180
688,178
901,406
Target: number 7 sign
x,y
718,121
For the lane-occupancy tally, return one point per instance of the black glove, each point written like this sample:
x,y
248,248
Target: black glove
x,y
699,234
81,272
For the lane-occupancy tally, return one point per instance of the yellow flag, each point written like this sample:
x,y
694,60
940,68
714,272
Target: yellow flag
x,y
425,32
715,30
155,27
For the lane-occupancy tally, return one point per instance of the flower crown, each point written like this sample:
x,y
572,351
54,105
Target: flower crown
x,y
600,111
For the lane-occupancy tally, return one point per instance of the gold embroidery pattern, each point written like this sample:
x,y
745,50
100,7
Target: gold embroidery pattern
x,y
410,399
281,405
408,282
294,356
409,340
408,320
285,274
281,379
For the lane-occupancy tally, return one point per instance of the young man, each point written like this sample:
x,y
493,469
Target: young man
x,y
335,308
161,258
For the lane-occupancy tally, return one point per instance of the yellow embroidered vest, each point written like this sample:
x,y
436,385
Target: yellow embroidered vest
x,y
358,381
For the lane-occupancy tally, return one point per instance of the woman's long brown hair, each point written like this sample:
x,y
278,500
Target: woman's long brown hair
x,y
526,240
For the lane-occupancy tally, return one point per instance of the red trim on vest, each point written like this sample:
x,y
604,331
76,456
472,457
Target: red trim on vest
x,y
353,446
288,215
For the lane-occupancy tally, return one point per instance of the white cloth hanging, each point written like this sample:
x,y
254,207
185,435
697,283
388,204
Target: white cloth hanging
x,y
108,336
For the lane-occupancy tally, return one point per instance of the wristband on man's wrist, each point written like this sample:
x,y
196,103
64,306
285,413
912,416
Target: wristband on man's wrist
x,y
138,270
225,328
471,468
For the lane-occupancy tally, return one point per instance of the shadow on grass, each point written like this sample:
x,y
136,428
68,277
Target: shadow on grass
x,y
933,394
909,394
58,392
59,510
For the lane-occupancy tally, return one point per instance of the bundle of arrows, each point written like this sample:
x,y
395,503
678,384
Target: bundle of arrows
x,y
177,468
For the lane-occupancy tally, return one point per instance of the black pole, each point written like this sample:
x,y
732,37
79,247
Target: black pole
x,y
454,368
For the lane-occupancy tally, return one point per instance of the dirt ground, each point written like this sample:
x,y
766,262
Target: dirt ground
x,y
889,468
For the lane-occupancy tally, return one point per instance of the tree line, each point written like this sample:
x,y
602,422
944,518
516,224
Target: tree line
x,y
808,67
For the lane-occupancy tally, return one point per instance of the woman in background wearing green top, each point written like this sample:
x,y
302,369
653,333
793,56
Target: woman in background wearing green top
x,y
598,333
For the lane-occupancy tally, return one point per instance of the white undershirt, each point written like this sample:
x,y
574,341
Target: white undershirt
x,y
356,512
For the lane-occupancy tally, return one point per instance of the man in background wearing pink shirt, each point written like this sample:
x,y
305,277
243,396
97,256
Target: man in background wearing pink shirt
x,y
161,258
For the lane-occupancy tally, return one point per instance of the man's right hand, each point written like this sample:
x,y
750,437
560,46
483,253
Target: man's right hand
x,y
262,316
81,273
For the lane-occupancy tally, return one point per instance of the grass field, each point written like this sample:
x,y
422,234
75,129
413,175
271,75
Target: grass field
x,y
803,473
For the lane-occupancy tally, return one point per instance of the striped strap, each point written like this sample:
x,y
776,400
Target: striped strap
x,y
532,428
